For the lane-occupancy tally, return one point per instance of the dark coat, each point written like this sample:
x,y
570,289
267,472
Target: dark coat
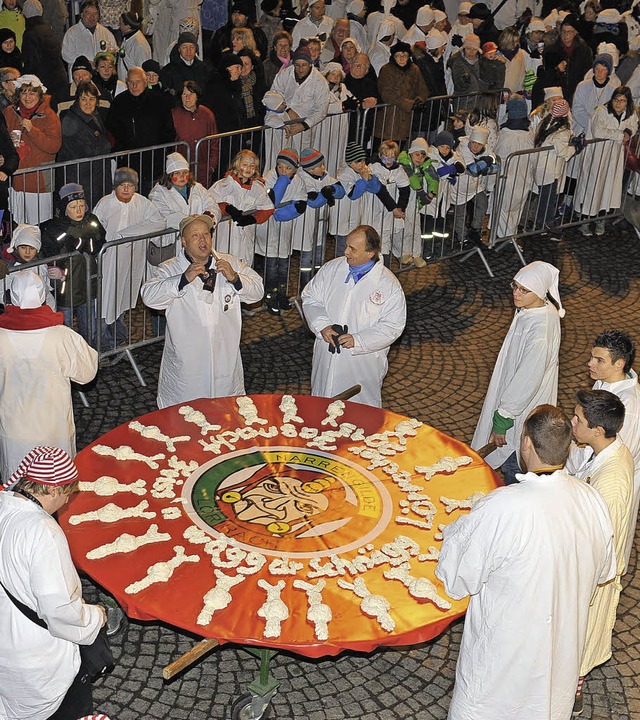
x,y
62,235
488,32
138,122
42,56
174,75
577,64
10,164
400,87
224,99
85,136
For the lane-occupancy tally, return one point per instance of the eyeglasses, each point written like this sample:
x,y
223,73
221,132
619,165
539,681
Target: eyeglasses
x,y
518,288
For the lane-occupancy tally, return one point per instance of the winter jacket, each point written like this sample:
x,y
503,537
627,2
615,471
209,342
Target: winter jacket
x,y
400,87
42,56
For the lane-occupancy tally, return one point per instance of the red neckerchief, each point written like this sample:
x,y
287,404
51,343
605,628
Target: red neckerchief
x,y
28,114
16,318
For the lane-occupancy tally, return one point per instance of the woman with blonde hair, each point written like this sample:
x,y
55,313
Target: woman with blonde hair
x,y
242,197
242,39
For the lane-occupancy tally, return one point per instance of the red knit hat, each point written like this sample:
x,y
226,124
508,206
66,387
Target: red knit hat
x,y
559,109
289,156
46,466
310,158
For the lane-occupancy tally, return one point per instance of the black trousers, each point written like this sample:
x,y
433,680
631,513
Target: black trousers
x,y
78,701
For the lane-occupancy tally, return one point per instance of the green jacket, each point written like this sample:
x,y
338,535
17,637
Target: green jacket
x,y
419,176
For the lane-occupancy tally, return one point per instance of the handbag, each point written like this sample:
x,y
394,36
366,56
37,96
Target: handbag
x,y
157,255
95,659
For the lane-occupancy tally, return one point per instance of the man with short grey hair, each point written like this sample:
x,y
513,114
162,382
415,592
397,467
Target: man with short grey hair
x,y
201,291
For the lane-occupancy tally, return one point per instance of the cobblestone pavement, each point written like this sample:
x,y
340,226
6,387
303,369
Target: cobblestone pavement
x,y
439,371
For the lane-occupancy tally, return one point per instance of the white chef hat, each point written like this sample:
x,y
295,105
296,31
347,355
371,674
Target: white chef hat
x,y
605,48
464,8
175,162
439,16
425,16
436,39
27,290
26,235
541,278
536,24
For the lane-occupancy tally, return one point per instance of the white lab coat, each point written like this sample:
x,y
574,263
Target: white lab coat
x,y
123,266
36,567
586,98
392,179
374,311
230,237
306,28
36,370
518,183
79,40
274,237
529,555
525,376
551,165
174,208
136,51
600,186
201,355
310,229
347,214
628,390
414,35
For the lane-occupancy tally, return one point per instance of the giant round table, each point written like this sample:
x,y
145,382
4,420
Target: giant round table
x,y
283,522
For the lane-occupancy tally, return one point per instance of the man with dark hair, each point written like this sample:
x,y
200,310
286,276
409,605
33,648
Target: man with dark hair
x,y
575,52
530,556
41,676
357,309
597,419
88,36
612,357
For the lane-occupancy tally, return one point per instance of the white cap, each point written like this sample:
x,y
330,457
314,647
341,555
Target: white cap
x,y
419,145
610,16
562,14
609,49
552,92
351,40
439,16
435,39
32,80
176,162
479,134
425,16
355,7
333,67
551,19
541,278
536,24
464,8
272,100
27,290
385,28
312,2
26,235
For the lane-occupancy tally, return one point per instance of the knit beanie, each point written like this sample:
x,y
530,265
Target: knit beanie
x,y
175,162
560,109
354,153
605,60
471,41
419,145
541,278
311,158
125,175
81,63
290,157
479,134
444,138
228,59
302,52
27,290
151,66
45,465
32,8
517,107
70,192
25,235
187,37
479,11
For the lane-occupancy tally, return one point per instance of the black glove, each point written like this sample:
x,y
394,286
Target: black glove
x,y
300,206
327,192
233,212
456,40
578,142
459,167
245,220
423,197
312,195
334,346
349,104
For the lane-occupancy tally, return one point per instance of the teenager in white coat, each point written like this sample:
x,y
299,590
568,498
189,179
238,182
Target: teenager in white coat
x,y
201,292
39,357
516,554
359,292
526,371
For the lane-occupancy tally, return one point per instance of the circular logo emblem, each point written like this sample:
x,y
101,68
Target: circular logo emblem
x,y
288,502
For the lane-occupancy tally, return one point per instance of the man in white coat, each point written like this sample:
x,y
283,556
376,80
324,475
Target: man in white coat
x,y
39,357
40,673
124,214
357,309
530,556
201,292
612,357
87,37
608,467
526,371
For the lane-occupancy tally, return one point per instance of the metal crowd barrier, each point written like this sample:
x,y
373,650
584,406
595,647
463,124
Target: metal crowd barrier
x,y
94,174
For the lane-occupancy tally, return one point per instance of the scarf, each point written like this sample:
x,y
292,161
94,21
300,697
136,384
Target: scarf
x,y
15,318
27,114
247,94
516,124
510,54
357,272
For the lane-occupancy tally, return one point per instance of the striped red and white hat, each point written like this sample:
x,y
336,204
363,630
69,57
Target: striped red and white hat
x,y
47,466
94,717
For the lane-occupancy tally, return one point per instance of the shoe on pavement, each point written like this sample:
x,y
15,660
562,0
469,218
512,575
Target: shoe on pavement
x,y
585,230
553,233
419,262
600,230
578,706
115,619
406,259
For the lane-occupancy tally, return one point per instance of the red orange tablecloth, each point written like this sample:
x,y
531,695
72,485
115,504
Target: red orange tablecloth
x,y
262,501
